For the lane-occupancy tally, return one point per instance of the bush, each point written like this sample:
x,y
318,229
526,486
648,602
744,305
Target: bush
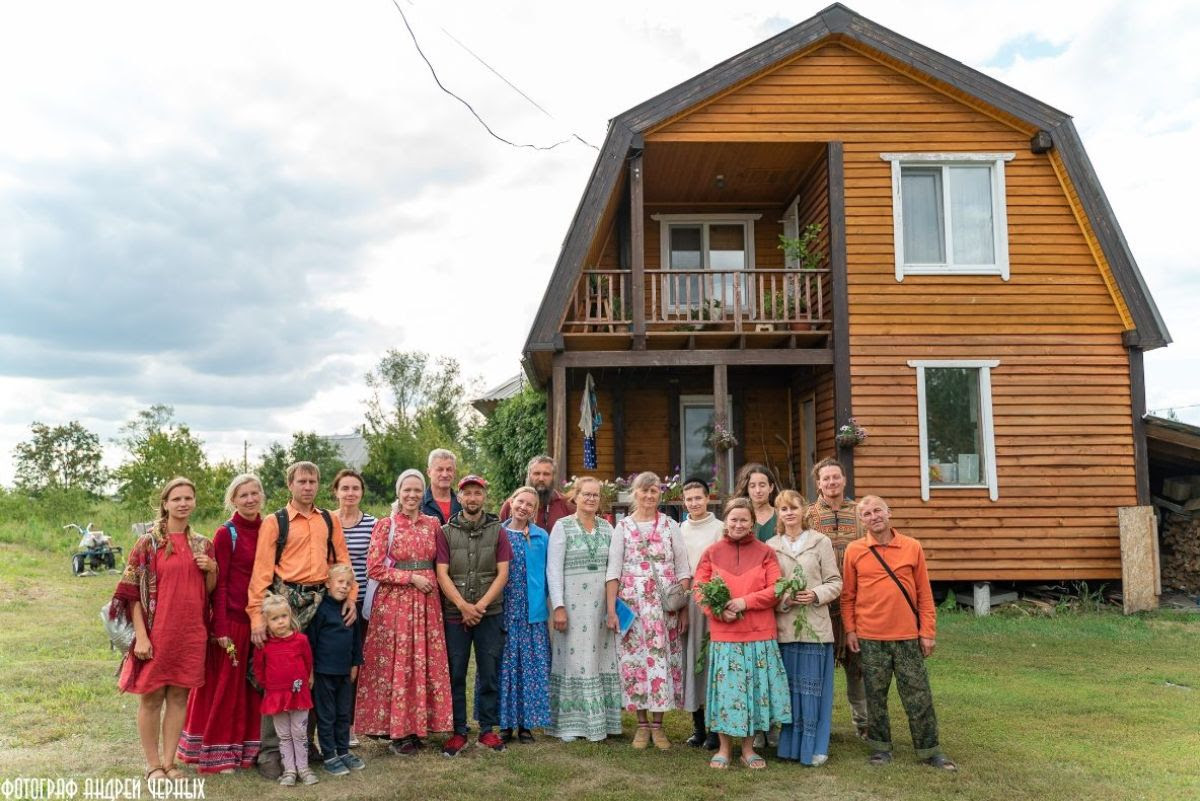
x,y
514,434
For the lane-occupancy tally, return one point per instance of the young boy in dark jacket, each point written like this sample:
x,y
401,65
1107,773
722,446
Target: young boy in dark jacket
x,y
336,657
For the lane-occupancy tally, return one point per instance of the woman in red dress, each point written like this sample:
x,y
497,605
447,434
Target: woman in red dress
x,y
404,682
223,723
164,591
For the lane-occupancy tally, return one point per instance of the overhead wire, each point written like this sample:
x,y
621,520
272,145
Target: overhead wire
x,y
412,34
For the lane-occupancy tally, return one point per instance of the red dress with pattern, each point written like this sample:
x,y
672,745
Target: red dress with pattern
x,y
223,717
179,633
404,682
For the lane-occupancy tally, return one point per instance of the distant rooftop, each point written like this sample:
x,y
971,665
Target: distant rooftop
x,y
352,447
488,401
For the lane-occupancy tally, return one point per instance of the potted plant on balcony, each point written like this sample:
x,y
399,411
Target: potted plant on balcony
x,y
802,253
786,309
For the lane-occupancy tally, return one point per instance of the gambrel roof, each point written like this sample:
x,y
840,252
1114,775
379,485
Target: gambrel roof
x,y
838,23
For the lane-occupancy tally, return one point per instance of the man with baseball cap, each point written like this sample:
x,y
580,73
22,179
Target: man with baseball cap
x,y
472,569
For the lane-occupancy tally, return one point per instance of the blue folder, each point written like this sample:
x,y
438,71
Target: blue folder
x,y
625,617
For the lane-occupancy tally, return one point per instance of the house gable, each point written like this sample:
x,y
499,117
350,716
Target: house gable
x,y
970,101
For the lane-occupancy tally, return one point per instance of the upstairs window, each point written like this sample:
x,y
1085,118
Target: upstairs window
x,y
948,213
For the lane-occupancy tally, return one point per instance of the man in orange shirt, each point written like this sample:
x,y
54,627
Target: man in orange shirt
x,y
888,612
297,571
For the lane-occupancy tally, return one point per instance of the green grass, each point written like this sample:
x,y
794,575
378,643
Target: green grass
x,y
1088,706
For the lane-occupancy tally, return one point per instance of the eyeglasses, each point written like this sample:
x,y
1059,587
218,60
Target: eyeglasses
x,y
589,495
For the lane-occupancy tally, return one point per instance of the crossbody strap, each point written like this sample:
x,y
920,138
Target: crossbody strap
x,y
903,591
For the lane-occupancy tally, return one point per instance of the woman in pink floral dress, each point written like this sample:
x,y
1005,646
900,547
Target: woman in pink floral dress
x,y
648,569
404,682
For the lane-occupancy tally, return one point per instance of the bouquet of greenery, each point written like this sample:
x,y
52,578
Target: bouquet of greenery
x,y
788,587
715,595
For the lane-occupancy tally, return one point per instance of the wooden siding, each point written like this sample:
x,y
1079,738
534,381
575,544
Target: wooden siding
x,y
604,436
1061,396
766,428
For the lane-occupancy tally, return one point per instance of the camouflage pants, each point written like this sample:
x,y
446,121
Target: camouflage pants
x,y
881,659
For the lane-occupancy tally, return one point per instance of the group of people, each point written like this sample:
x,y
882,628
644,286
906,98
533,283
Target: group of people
x,y
331,621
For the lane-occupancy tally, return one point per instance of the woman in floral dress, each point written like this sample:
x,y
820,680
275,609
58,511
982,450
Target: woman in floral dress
x,y
525,666
648,569
585,689
404,682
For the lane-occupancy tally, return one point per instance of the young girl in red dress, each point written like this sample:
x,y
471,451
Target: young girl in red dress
x,y
164,591
221,732
284,667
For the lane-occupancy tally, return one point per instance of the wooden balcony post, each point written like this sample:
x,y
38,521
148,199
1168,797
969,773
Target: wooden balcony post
x,y
843,406
721,415
558,394
637,241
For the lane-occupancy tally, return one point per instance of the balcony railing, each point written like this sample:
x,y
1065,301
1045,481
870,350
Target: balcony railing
x,y
695,300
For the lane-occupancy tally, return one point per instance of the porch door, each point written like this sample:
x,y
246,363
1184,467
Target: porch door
x,y
715,246
696,456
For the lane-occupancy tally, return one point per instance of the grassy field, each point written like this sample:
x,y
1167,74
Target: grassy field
x,y
1079,706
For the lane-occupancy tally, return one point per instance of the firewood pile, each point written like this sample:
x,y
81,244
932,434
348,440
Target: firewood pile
x,y
1180,552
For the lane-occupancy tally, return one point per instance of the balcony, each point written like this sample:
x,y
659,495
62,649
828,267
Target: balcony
x,y
760,303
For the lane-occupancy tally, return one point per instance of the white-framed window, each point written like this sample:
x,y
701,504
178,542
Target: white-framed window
x,y
699,243
954,412
949,213
696,456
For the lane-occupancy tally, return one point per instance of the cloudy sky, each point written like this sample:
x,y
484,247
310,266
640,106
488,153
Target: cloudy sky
x,y
236,208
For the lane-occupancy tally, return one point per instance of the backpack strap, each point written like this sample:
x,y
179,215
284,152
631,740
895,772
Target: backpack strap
x,y
903,591
330,556
232,535
282,518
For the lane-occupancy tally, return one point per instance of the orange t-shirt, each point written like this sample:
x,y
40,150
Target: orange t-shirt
x,y
872,605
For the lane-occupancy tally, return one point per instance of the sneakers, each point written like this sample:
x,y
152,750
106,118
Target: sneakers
x,y
490,739
308,777
455,744
336,767
880,758
352,762
941,762
287,778
819,760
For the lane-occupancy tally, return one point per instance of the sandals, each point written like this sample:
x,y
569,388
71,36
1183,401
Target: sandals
x,y
172,771
718,762
754,762
156,769
941,762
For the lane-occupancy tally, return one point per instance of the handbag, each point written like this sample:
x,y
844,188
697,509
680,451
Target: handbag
x,y
674,597
120,629
372,584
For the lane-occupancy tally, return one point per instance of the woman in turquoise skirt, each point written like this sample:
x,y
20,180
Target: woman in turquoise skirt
x,y
747,685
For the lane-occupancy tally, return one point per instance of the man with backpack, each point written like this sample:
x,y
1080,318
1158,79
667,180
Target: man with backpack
x,y
296,547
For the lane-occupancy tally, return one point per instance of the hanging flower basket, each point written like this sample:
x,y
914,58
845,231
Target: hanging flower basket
x,y
851,434
721,438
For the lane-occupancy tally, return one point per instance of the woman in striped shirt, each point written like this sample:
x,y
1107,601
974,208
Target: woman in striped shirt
x,y
348,487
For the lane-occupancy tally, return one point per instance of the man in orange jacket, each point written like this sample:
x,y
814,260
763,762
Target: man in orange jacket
x,y
888,612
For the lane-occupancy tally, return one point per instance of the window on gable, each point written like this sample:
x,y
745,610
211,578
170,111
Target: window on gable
x,y
954,406
949,213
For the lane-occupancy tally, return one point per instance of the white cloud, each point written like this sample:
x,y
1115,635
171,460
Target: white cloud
x,y
291,178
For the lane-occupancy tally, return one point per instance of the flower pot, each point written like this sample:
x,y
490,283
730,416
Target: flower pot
x,y
801,326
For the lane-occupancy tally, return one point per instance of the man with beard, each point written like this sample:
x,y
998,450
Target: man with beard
x,y
552,504
472,569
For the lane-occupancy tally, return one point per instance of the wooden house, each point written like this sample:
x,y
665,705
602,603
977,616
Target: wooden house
x,y
972,302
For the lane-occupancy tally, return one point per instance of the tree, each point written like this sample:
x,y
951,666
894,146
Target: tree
x,y
159,448
417,404
59,458
514,434
306,446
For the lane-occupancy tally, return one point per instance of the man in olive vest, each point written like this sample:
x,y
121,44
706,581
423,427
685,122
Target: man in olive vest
x,y
472,569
